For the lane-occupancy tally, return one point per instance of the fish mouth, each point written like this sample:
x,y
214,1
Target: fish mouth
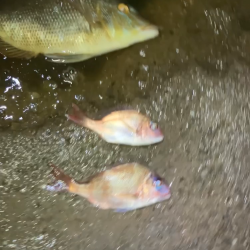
x,y
167,195
150,27
160,138
150,31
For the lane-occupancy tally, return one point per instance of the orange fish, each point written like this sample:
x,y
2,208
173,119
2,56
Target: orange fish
x,y
127,127
122,188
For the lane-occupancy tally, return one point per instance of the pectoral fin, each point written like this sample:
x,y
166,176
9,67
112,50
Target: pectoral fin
x,y
62,58
10,51
131,129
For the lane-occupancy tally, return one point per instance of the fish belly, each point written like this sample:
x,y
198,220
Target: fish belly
x,y
118,133
136,204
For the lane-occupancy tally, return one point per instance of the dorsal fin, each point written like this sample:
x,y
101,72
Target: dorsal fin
x,y
102,113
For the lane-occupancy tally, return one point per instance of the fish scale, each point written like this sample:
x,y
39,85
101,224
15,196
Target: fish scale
x,y
49,22
128,178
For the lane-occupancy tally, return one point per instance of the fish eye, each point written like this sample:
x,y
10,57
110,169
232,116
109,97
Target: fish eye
x,y
157,183
153,125
123,8
156,180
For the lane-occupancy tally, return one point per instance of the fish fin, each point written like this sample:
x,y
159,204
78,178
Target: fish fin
x,y
13,52
123,210
77,116
61,58
134,131
57,186
62,181
101,114
139,130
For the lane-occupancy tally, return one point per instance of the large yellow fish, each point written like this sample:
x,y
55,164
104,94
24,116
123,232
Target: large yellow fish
x,y
128,127
123,188
68,31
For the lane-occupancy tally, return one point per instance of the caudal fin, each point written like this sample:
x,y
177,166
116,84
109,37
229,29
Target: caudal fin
x,y
77,116
62,181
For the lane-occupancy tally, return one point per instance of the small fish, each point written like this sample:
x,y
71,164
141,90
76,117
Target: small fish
x,y
128,127
122,188
69,31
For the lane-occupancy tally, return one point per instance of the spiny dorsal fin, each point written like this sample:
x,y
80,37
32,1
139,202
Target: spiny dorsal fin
x,y
12,52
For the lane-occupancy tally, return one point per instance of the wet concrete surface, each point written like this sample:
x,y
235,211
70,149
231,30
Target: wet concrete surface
x,y
193,80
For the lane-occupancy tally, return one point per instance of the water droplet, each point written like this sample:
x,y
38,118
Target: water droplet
x,y
142,53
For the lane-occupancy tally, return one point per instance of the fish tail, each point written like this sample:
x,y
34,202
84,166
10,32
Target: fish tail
x,y
77,116
62,182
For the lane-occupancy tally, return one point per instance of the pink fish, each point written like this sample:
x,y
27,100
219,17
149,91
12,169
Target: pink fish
x,y
122,188
127,127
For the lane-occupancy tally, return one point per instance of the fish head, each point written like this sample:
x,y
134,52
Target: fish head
x,y
125,27
155,188
151,132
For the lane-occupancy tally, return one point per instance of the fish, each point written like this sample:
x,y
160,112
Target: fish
x,y
69,31
127,127
122,188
